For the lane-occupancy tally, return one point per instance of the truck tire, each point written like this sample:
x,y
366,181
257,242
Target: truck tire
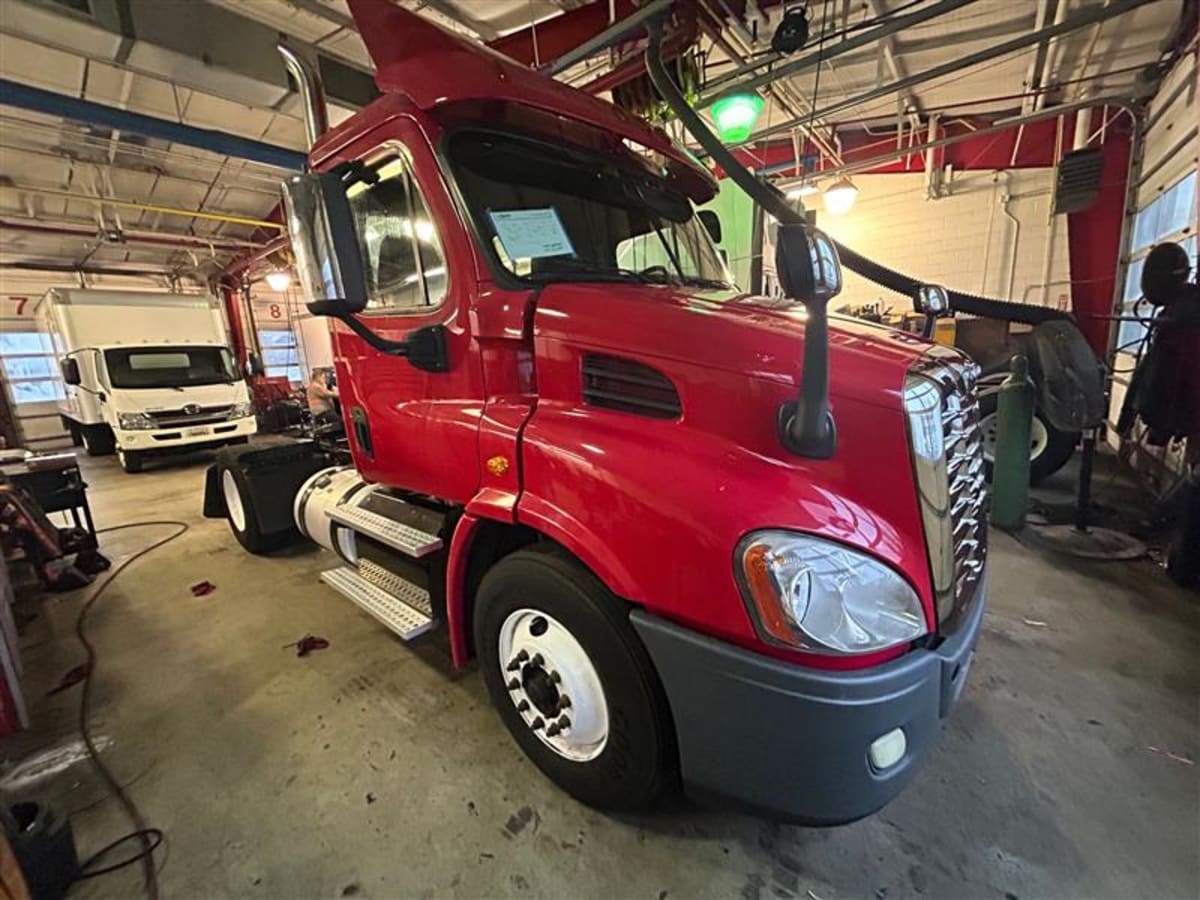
x,y
1049,449
74,429
131,460
241,513
98,440
547,629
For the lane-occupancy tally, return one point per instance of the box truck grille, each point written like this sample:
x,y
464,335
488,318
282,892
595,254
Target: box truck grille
x,y
626,385
966,483
187,418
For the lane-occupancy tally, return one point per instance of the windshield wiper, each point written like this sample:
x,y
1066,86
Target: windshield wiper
x,y
587,273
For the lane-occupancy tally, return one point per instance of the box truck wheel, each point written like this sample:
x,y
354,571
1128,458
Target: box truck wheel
x,y
571,680
1049,448
241,512
98,440
131,460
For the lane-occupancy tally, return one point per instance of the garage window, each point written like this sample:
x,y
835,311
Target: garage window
x,y
1171,216
281,357
29,367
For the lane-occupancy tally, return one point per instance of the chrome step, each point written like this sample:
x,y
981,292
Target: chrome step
x,y
397,535
401,612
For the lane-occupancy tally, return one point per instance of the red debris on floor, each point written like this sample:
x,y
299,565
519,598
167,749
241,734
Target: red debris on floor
x,y
201,588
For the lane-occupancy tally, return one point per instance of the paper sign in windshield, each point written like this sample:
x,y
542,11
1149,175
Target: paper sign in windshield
x,y
531,233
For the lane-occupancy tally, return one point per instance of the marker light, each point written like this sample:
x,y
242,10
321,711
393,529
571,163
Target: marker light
x,y
279,281
735,116
840,197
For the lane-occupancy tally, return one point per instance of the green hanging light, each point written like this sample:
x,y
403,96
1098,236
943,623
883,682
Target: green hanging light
x,y
735,116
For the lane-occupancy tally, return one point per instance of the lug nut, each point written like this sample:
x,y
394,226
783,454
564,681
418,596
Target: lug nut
x,y
553,729
522,656
564,701
523,706
537,659
513,666
514,683
537,723
555,677
563,722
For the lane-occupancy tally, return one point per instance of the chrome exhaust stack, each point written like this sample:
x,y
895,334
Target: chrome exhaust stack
x,y
312,93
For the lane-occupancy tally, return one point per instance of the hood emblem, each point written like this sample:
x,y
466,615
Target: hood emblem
x,y
191,409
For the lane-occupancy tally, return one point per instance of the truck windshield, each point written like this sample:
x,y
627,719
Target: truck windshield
x,y
554,213
169,367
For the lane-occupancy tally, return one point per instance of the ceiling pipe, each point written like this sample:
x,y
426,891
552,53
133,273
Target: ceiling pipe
x,y
312,93
25,265
145,207
127,237
24,96
1081,19
606,38
1126,103
722,85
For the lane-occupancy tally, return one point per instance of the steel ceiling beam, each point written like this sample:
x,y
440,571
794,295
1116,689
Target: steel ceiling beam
x,y
1081,19
24,96
1123,102
728,83
609,36
462,17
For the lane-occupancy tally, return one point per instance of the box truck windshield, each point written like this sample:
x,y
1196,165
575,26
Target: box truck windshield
x,y
169,367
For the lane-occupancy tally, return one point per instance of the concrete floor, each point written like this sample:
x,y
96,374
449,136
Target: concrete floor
x,y
370,769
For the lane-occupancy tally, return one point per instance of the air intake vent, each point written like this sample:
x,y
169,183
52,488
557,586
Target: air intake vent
x,y
627,386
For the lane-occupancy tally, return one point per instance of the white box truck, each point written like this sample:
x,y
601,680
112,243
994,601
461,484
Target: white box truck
x,y
145,373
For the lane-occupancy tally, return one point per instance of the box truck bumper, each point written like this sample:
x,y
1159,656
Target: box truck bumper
x,y
804,745
185,439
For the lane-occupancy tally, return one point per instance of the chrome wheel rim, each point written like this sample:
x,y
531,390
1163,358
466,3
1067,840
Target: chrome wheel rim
x,y
233,501
1039,437
553,685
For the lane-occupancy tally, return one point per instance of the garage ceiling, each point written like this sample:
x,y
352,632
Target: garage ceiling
x,y
78,195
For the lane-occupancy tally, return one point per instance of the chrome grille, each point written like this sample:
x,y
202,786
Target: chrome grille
x,y
965,496
184,418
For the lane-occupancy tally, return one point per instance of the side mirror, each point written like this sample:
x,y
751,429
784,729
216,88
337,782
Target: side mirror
x,y
254,365
711,222
70,372
807,264
324,239
932,300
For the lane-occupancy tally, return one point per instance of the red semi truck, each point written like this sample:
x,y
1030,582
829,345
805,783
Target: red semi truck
x,y
675,555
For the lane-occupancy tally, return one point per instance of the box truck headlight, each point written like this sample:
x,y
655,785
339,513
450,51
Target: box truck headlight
x,y
241,410
814,594
135,422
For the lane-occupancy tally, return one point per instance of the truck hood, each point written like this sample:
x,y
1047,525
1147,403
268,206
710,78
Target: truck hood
x,y
162,399
761,337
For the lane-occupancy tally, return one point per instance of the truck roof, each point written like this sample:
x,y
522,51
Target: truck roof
x,y
435,69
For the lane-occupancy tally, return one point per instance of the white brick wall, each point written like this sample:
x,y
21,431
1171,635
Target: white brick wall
x,y
945,241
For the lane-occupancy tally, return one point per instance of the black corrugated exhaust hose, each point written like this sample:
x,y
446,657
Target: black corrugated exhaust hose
x,y
771,199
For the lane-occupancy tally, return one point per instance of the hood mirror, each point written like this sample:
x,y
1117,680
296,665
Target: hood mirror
x,y
711,222
807,264
932,300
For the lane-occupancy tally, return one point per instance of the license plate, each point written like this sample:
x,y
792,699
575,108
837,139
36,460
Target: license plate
x,y
196,432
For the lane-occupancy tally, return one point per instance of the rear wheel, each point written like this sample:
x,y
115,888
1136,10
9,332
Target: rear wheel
x,y
98,440
572,682
1049,448
240,511
131,460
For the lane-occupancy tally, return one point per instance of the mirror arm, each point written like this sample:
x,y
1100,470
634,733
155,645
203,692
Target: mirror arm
x,y
425,348
805,425
334,310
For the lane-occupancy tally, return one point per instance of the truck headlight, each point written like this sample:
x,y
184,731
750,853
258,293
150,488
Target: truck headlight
x,y
241,410
135,421
813,594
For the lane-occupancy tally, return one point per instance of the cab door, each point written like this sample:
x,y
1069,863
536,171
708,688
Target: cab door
x,y
410,428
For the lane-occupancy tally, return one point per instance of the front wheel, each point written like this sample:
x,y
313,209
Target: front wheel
x,y
131,460
572,682
98,440
1049,448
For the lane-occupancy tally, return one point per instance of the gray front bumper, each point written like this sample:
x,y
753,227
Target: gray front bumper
x,y
792,742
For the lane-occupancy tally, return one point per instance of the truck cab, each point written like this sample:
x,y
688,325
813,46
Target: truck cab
x,y
568,447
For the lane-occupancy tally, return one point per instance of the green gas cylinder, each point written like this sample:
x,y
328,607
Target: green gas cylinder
x,y
1010,470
